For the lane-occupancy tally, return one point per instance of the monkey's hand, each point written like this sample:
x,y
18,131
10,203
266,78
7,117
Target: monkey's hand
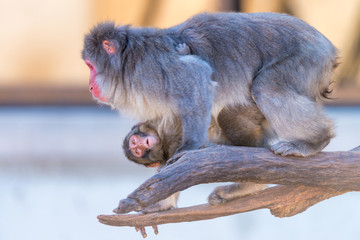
x,y
233,191
183,49
143,231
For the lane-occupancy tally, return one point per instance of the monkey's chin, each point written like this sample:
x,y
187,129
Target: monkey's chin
x,y
156,164
103,99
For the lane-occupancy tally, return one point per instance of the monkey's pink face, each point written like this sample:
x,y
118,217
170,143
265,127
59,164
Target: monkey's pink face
x,y
140,144
93,85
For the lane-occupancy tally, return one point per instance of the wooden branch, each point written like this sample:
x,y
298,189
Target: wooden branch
x,y
338,170
309,181
283,201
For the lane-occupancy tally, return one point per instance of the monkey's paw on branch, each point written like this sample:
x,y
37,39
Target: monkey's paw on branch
x,y
303,183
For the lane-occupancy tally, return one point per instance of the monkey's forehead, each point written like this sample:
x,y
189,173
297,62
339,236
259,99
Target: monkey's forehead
x,y
102,31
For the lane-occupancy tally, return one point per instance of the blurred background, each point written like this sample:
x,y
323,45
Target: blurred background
x,y
61,162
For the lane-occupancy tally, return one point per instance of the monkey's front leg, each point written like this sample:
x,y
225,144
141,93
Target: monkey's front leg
x,y
193,99
194,130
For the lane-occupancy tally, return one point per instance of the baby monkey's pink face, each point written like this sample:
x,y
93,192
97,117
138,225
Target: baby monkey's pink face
x,y
140,144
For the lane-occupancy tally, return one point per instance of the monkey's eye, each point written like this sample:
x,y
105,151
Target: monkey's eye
x,y
133,141
137,151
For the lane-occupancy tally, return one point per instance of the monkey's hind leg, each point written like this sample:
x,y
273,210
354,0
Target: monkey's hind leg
x,y
163,205
233,191
296,118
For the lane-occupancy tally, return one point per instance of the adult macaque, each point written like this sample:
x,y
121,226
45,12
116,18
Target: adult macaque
x,y
274,63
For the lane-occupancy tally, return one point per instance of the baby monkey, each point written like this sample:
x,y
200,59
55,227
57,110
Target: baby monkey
x,y
144,145
152,144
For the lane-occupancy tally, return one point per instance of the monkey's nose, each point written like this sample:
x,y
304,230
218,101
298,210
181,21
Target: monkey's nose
x,y
91,88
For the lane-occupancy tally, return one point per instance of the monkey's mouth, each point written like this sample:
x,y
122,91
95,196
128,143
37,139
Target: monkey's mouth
x,y
150,142
102,99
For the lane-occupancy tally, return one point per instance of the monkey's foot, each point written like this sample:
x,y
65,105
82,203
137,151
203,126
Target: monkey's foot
x,y
285,149
233,191
215,199
296,148
223,194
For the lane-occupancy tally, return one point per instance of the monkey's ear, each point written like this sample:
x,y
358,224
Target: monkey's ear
x,y
109,47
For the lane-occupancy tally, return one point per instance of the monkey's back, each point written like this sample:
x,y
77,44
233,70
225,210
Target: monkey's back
x,y
239,46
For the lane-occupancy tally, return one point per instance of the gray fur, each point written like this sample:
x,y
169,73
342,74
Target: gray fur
x,y
273,62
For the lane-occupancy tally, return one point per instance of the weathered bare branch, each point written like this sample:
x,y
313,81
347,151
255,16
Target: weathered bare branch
x,y
283,201
338,170
308,181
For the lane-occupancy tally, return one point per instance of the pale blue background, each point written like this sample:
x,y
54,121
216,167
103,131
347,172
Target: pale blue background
x,y
60,167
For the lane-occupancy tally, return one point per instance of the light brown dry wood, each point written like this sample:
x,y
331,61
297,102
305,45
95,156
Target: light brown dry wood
x,y
306,181
283,201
